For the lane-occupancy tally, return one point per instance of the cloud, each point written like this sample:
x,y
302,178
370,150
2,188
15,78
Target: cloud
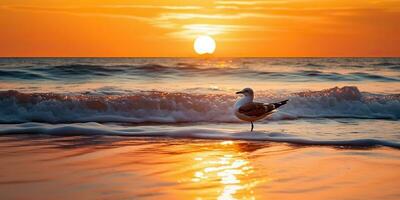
x,y
237,16
185,16
75,11
193,30
152,7
230,7
249,3
178,24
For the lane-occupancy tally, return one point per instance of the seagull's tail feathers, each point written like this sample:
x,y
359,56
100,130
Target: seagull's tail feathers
x,y
270,108
279,104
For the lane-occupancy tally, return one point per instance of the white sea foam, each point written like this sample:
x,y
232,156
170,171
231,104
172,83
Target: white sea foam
x,y
161,107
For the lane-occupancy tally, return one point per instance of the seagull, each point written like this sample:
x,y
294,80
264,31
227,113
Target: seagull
x,y
247,110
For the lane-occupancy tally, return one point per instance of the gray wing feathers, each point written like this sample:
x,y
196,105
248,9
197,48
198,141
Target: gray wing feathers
x,y
259,109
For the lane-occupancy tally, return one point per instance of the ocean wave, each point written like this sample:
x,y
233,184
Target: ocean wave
x,y
385,64
78,70
21,74
369,76
85,71
176,107
395,67
91,129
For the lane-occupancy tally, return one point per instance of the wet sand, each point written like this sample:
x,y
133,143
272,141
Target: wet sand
x,y
102,167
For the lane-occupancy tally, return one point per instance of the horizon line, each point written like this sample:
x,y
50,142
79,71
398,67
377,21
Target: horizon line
x,y
196,57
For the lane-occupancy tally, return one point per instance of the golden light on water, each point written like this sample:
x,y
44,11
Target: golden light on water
x,y
199,170
226,171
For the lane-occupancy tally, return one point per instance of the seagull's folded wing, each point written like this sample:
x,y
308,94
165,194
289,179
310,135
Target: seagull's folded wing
x,y
256,109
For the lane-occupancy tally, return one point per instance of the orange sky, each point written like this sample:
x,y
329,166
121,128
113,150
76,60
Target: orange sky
x,y
140,28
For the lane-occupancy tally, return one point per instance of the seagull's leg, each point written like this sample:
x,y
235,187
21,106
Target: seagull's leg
x,y
252,126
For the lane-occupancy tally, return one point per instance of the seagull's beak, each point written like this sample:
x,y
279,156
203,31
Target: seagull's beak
x,y
240,92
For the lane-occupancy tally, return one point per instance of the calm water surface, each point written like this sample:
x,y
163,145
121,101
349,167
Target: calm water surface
x,y
163,168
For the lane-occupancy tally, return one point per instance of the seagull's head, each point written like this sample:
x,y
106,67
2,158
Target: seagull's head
x,y
246,92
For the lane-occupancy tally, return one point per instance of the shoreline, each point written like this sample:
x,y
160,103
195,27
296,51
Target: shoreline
x,y
148,168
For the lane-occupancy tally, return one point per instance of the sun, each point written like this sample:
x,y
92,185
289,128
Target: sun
x,y
204,45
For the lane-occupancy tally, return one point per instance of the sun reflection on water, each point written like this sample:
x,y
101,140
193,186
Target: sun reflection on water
x,y
227,170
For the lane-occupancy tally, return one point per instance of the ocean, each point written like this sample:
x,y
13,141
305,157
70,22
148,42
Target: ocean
x,y
162,128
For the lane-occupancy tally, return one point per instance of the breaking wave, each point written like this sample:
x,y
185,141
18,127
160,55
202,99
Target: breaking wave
x,y
174,107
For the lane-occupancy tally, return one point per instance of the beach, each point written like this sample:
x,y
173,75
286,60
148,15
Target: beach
x,y
164,128
45,167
